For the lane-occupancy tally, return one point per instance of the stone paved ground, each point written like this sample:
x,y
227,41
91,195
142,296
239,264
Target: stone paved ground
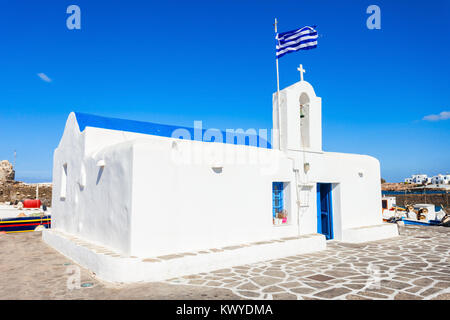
x,y
415,265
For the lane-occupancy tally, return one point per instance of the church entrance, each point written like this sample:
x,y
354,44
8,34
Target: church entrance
x,y
324,210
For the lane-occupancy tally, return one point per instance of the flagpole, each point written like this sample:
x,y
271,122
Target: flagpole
x,y
278,94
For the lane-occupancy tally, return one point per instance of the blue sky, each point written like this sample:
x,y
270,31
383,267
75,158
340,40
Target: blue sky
x,y
176,62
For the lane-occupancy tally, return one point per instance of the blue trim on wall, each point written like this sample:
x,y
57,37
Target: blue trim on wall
x,y
89,120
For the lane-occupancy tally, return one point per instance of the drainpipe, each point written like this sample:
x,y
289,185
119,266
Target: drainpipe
x,y
296,171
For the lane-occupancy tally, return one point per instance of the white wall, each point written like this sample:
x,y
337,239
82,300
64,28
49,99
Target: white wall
x,y
356,200
182,207
97,205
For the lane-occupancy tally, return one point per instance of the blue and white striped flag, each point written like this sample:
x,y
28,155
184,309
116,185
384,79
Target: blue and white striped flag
x,y
300,39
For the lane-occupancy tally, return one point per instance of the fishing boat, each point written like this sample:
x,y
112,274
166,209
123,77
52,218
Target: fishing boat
x,y
24,217
418,214
390,210
423,214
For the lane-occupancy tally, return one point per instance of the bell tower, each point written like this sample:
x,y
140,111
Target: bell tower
x,y
300,125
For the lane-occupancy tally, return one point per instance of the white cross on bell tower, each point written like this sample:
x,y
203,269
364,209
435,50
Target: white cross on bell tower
x,y
302,71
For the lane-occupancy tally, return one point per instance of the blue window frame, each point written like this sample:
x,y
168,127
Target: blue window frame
x,y
277,198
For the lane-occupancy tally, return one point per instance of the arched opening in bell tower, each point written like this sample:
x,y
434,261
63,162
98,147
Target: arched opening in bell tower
x,y
304,120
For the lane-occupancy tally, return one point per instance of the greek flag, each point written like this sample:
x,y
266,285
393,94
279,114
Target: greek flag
x,y
300,39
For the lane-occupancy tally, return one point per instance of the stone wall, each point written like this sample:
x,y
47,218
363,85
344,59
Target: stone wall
x,y
15,190
436,199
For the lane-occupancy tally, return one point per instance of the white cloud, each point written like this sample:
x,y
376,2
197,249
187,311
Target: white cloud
x,y
444,115
44,77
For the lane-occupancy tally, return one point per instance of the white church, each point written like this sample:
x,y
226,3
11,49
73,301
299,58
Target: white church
x,y
138,201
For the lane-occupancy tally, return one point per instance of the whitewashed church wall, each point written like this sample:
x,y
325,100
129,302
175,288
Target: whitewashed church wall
x,y
183,207
97,205
356,199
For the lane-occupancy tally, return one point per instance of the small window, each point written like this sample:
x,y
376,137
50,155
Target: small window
x,y
279,212
63,182
384,202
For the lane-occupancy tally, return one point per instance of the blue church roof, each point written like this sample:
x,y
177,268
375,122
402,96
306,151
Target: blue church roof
x,y
89,120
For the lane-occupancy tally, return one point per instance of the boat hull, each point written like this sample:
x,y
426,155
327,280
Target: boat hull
x,y
421,223
24,224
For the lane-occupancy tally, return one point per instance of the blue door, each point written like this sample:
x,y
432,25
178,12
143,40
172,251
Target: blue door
x,y
324,210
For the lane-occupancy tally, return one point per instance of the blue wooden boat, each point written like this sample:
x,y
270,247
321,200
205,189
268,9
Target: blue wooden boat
x,y
421,222
25,224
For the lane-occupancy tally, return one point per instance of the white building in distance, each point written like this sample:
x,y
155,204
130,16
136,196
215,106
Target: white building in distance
x,y
137,201
424,179
417,178
441,179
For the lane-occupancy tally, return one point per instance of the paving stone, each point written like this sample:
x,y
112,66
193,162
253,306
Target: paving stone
x,y
301,274
406,275
320,277
332,293
394,284
356,297
248,286
249,294
192,276
317,285
401,279
279,274
232,284
291,284
415,265
232,247
372,295
273,289
213,277
169,257
302,290
423,282
337,281
284,296
241,268
381,290
442,284
414,289
265,281
355,286
339,274
441,278
444,296
430,291
197,282
345,265
151,260
222,271
406,296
